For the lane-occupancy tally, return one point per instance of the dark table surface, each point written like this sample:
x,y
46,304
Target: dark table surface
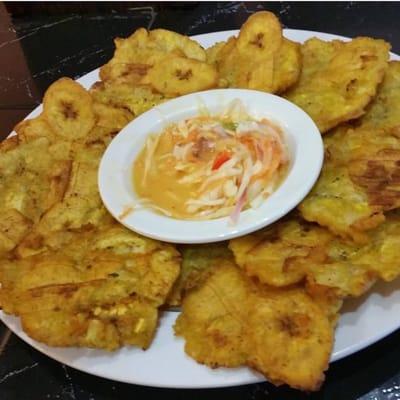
x,y
40,43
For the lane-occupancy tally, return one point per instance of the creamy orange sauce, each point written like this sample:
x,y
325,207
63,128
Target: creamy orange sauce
x,y
210,166
162,185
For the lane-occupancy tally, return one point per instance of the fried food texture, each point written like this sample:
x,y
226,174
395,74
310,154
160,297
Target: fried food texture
x,y
13,227
339,79
212,319
372,158
351,269
287,66
213,52
170,41
31,182
176,76
360,177
31,129
279,255
230,321
261,34
290,338
143,49
68,108
136,100
99,288
80,207
332,267
269,300
166,62
198,262
383,110
371,148
340,205
110,120
259,58
112,117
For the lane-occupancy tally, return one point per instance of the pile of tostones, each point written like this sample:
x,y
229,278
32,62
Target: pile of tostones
x,y
269,300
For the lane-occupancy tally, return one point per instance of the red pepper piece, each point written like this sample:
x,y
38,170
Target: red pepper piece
x,y
220,159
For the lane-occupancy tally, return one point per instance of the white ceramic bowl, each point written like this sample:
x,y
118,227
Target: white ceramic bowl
x,y
116,181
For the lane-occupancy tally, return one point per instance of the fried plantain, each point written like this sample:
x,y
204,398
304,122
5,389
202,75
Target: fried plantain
x,y
212,319
176,76
170,41
339,79
260,36
351,269
110,120
136,99
79,207
31,129
135,56
280,254
111,117
31,182
90,284
287,67
198,262
340,205
332,267
290,338
360,179
128,322
230,321
68,108
383,110
260,58
13,227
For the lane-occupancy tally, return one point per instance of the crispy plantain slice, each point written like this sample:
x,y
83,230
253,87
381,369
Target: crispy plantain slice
x,y
339,79
31,129
333,268
110,120
137,54
13,227
68,108
176,76
260,36
96,288
337,203
135,99
287,66
372,158
380,255
198,262
260,58
213,53
170,41
212,319
279,255
230,321
361,177
31,182
111,117
290,338
383,113
129,322
351,269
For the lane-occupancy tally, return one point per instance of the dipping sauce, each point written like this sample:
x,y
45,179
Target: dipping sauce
x,y
211,166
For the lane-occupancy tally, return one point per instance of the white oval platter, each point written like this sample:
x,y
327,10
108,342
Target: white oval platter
x,y
363,321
